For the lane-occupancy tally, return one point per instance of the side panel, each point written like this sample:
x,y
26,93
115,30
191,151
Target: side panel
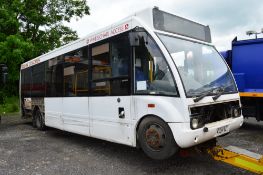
x,y
247,62
75,115
53,112
170,109
106,124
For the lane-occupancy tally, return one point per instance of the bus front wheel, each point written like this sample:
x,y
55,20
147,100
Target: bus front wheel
x,y
156,139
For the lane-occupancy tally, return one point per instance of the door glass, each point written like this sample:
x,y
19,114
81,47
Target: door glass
x,y
120,63
152,74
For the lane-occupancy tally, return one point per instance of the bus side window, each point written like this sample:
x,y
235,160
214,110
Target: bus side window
x,y
26,82
101,69
54,77
76,73
37,84
151,71
110,67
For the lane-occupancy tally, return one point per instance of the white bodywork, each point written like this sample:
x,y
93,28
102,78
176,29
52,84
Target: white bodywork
x,y
98,116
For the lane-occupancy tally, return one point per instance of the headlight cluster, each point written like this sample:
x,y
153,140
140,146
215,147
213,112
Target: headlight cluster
x,y
202,115
236,112
196,122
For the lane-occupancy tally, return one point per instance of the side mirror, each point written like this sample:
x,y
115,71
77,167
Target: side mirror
x,y
3,74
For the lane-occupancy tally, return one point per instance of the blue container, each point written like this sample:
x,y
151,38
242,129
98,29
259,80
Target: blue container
x,y
246,62
247,65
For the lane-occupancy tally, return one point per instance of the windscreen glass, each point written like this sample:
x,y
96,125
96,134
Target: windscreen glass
x,y
200,66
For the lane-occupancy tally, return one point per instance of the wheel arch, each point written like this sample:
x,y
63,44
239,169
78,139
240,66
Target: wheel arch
x,y
138,125
35,108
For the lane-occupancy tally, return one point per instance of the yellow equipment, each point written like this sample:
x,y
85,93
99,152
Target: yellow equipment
x,y
238,157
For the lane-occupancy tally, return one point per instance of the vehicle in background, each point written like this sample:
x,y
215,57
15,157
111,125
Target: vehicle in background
x,y
152,80
246,62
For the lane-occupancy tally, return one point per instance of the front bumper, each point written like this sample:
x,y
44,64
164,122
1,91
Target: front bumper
x,y
186,137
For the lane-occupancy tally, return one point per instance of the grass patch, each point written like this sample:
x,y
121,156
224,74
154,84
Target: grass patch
x,y
10,105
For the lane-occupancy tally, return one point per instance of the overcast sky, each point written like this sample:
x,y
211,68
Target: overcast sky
x,y
226,18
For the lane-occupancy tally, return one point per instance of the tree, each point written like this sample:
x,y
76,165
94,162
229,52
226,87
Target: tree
x,y
42,22
29,28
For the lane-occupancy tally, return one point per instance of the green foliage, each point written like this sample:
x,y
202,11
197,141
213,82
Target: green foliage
x,y
2,98
42,22
13,51
30,28
11,105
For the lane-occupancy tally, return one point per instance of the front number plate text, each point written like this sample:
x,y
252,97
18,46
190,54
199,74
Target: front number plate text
x,y
222,130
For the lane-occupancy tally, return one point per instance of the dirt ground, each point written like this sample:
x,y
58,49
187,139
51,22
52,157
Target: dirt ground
x,y
25,150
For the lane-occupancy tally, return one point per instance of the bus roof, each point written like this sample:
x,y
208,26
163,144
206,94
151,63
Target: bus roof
x,y
150,18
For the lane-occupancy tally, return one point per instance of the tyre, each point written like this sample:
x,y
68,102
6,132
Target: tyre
x,y
39,120
156,139
23,112
34,121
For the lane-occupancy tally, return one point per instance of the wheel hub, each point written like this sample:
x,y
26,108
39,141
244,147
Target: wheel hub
x,y
155,137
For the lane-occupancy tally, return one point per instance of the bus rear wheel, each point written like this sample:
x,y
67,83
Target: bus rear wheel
x,y
34,121
39,121
156,139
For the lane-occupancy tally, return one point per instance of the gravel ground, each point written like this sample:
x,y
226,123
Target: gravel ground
x,y
25,150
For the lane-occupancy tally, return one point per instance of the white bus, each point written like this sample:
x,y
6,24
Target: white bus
x,y
152,80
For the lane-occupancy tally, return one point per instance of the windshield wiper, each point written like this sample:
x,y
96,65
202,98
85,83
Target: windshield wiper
x,y
204,94
222,90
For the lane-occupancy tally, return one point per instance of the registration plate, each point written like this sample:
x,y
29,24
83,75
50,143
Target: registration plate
x,y
222,130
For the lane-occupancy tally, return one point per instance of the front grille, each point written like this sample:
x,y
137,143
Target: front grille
x,y
215,112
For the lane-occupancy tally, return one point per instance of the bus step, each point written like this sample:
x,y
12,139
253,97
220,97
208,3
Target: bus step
x,y
238,157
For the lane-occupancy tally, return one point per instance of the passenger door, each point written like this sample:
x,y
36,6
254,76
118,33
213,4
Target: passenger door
x,y
110,104
154,84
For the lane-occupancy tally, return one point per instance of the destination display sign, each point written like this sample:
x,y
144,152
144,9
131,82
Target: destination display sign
x,y
109,33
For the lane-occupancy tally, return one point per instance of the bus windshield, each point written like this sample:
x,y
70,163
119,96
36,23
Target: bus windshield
x,y
200,66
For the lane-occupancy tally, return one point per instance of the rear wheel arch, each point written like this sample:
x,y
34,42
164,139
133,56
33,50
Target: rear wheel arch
x,y
38,118
35,109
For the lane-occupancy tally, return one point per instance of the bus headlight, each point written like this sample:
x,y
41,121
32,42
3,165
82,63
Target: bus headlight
x,y
194,123
236,112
